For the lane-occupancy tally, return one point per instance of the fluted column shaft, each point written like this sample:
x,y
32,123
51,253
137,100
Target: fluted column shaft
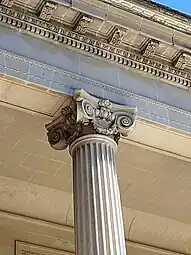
x,y
97,206
91,127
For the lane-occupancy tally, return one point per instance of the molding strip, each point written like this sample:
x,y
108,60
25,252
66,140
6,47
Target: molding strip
x,y
95,47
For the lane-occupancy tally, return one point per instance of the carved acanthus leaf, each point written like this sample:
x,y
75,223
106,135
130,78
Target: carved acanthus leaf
x,y
83,24
182,60
90,115
47,11
8,3
150,48
117,37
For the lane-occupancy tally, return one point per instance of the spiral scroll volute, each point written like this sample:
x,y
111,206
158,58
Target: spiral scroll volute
x,y
125,122
90,114
57,139
107,118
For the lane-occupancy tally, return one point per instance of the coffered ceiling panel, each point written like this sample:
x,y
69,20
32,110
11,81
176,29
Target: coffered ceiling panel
x,y
30,249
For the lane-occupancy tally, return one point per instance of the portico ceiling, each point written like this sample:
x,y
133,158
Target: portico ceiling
x,y
150,164
152,181
149,181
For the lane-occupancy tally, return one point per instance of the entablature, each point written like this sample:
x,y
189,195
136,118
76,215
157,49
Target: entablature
x,y
111,31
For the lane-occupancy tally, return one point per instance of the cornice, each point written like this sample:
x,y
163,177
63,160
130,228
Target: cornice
x,y
95,47
155,12
164,9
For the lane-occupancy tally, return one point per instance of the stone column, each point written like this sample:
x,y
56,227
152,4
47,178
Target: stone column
x,y
91,128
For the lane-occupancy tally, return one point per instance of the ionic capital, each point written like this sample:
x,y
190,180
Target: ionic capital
x,y
90,115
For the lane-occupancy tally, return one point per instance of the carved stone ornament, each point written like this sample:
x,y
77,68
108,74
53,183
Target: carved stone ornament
x,y
90,115
117,37
150,48
182,61
8,3
83,24
47,11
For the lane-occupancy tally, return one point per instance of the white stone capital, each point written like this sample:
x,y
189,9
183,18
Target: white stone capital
x,y
90,115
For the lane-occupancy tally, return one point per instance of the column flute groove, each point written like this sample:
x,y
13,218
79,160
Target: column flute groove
x,y
101,221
